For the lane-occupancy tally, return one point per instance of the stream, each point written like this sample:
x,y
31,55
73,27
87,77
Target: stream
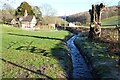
x,y
80,68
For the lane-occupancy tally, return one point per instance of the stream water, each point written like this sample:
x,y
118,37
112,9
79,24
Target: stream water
x,y
80,68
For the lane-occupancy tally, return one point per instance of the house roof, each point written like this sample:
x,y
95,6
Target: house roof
x,y
53,20
27,18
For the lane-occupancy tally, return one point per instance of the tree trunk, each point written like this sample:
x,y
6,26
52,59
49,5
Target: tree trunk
x,y
95,26
95,31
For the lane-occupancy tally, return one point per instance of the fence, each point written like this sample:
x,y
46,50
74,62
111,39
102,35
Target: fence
x,y
109,34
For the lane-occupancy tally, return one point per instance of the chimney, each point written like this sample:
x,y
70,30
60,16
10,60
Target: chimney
x,y
25,14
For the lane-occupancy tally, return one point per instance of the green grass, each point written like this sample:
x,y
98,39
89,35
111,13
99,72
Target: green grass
x,y
111,21
26,53
103,61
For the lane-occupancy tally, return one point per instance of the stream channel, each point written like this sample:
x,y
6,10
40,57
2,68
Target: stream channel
x,y
81,70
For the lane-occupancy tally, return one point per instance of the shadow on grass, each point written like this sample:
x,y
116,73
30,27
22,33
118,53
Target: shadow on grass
x,y
32,49
13,43
25,68
36,36
59,52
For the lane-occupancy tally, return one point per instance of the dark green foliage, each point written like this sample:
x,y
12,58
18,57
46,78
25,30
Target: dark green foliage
x,y
21,9
82,19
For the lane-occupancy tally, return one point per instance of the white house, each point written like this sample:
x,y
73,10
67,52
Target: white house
x,y
28,21
72,25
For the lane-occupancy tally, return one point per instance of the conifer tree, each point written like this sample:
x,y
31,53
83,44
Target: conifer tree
x,y
21,9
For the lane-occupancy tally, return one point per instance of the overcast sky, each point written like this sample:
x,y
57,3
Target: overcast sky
x,y
64,7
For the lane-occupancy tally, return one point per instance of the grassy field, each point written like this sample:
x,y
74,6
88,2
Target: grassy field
x,y
34,54
111,21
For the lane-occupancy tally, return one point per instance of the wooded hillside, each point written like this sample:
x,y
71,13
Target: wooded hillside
x,y
84,17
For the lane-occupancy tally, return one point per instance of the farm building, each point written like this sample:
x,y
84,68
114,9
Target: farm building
x,y
11,21
72,25
28,22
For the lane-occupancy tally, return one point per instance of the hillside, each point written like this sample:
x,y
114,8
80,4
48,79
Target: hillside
x,y
81,17
84,17
111,21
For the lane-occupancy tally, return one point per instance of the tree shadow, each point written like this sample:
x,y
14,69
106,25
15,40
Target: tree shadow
x,y
35,72
37,36
28,47
32,49
10,45
59,52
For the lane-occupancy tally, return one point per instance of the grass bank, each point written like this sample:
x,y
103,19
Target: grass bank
x,y
111,21
103,62
34,54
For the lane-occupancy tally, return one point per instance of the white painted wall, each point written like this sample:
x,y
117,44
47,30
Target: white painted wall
x,y
72,25
33,22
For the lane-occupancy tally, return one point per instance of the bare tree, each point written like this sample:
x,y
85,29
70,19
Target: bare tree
x,y
7,11
48,10
95,24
